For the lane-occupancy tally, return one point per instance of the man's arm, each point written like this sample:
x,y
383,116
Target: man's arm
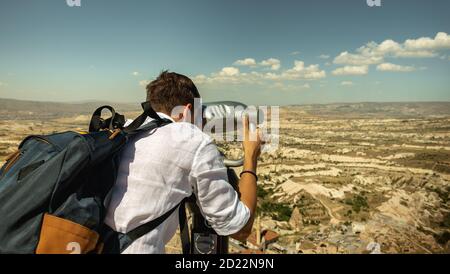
x,y
216,198
247,183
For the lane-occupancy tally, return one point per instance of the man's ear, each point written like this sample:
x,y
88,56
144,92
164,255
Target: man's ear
x,y
182,113
187,113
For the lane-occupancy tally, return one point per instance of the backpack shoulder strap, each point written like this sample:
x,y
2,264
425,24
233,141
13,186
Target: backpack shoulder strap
x,y
97,123
148,112
148,127
184,229
128,238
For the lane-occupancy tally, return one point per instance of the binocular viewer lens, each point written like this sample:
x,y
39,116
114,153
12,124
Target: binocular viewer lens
x,y
232,113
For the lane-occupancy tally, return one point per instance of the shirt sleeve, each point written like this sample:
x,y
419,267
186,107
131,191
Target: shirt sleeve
x,y
216,198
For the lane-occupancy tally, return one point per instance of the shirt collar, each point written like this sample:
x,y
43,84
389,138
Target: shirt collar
x,y
165,116
160,114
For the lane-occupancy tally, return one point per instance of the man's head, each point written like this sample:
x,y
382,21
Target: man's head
x,y
172,90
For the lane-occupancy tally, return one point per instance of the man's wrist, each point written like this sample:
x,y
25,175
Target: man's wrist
x,y
249,172
251,155
250,163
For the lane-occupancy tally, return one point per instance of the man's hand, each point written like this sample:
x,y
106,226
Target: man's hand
x,y
251,145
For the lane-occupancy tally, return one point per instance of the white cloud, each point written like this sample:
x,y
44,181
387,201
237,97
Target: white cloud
x,y
229,71
416,54
346,58
200,79
346,83
290,87
306,86
135,73
232,75
351,70
295,53
324,56
144,83
245,62
388,46
225,75
273,63
310,72
394,68
440,41
373,53
299,71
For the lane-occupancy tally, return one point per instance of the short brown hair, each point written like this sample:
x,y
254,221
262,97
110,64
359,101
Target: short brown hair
x,y
169,90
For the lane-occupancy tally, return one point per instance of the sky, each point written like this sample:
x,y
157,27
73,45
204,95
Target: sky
x,y
254,51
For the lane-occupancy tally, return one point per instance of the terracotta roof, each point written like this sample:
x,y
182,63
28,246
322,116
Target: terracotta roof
x,y
251,251
252,238
269,236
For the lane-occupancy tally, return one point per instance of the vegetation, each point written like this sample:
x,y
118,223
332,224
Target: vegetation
x,y
311,222
446,221
442,238
278,211
358,203
348,213
348,223
261,192
444,194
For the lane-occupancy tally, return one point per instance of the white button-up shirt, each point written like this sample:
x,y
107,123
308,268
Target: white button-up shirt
x,y
160,168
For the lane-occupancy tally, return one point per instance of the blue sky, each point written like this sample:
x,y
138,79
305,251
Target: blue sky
x,y
255,51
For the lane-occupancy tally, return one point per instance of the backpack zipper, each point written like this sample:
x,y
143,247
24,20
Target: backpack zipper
x,y
12,155
37,138
11,160
42,140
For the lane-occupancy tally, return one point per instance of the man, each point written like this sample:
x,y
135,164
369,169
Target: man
x,y
160,168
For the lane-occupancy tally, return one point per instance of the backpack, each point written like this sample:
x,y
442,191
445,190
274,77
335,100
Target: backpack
x,y
53,190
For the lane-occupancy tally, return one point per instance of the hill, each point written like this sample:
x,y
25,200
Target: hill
x,y
25,110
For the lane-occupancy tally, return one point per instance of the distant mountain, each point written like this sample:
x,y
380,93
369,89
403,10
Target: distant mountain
x,y
18,109
390,109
